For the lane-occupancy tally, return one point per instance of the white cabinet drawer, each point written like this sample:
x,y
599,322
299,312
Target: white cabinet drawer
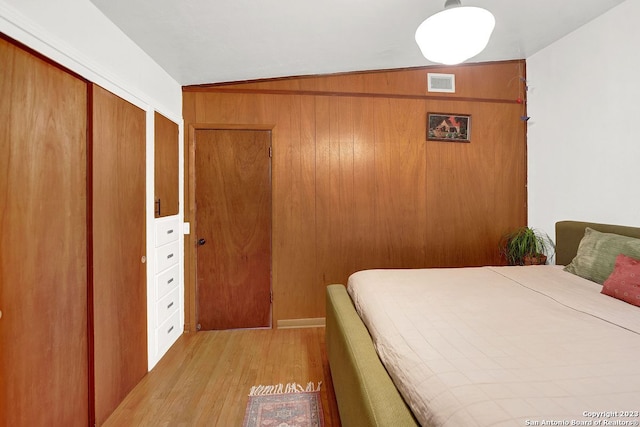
x,y
168,332
167,255
168,305
167,281
166,231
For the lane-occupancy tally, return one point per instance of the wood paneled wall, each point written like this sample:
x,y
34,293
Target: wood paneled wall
x,y
355,183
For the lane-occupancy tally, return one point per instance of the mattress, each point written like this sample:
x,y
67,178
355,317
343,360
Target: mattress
x,y
503,346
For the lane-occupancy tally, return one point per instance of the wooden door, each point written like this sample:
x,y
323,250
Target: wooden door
x,y
43,243
166,166
119,236
233,221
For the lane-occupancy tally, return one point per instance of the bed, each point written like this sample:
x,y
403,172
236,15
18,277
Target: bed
x,y
491,346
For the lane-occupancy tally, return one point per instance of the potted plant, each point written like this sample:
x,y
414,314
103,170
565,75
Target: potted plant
x,y
526,246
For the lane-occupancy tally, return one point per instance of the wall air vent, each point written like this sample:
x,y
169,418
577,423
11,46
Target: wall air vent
x,y
441,83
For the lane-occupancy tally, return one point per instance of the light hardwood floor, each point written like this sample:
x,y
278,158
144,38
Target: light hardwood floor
x,y
205,378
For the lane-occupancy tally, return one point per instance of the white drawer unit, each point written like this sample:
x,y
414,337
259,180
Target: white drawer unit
x,y
168,305
166,231
167,281
165,299
167,256
168,332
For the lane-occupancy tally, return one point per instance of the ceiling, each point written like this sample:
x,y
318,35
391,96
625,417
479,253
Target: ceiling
x,y
212,41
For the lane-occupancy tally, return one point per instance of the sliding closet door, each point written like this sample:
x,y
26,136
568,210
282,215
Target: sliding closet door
x,y
119,272
43,258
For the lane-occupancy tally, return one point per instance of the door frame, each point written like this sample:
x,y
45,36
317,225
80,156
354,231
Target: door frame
x,y
190,240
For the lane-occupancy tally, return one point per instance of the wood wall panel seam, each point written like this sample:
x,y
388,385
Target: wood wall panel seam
x,y
354,94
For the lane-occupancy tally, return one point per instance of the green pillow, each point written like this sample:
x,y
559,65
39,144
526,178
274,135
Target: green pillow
x,y
597,254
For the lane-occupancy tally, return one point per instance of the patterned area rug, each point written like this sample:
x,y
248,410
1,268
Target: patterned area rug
x,y
284,406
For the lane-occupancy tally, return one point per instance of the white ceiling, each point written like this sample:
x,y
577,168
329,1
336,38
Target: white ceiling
x,y
211,41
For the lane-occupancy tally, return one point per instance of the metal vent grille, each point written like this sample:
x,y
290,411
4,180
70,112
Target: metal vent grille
x,y
441,82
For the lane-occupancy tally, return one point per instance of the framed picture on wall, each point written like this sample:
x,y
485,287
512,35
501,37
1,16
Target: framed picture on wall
x,y
448,127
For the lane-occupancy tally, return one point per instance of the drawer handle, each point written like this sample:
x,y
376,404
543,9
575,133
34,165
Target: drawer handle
x,y
170,231
170,329
169,256
170,304
170,280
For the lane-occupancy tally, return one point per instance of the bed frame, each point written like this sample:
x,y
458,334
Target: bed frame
x,y
365,393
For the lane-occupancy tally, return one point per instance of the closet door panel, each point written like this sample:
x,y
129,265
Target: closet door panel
x,y
166,166
119,275
43,243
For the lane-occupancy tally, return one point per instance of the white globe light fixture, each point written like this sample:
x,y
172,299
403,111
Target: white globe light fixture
x,y
455,34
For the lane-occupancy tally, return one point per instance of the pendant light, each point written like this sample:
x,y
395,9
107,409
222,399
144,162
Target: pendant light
x,y
455,34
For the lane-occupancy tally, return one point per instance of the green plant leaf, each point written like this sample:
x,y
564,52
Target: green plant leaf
x,y
525,242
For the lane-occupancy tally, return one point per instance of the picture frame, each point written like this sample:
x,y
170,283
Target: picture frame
x,y
449,127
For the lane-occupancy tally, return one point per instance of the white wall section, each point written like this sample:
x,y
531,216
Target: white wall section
x,y
583,146
77,35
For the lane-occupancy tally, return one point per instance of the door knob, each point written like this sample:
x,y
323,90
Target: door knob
x,y
201,242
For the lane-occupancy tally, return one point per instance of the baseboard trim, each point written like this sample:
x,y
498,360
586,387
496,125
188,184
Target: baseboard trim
x,y
317,322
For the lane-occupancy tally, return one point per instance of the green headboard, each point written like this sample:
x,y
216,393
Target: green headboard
x,y
569,234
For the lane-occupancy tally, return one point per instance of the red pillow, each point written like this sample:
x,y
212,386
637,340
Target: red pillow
x,y
624,281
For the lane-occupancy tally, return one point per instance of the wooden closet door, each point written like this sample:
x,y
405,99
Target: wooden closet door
x,y
119,236
43,243
166,166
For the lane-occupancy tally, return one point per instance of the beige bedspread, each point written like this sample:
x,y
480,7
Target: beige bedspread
x,y
503,346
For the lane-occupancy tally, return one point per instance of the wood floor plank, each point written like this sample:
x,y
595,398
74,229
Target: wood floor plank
x,y
205,378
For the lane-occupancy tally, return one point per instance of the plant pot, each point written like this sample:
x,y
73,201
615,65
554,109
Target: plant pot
x,y
539,259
